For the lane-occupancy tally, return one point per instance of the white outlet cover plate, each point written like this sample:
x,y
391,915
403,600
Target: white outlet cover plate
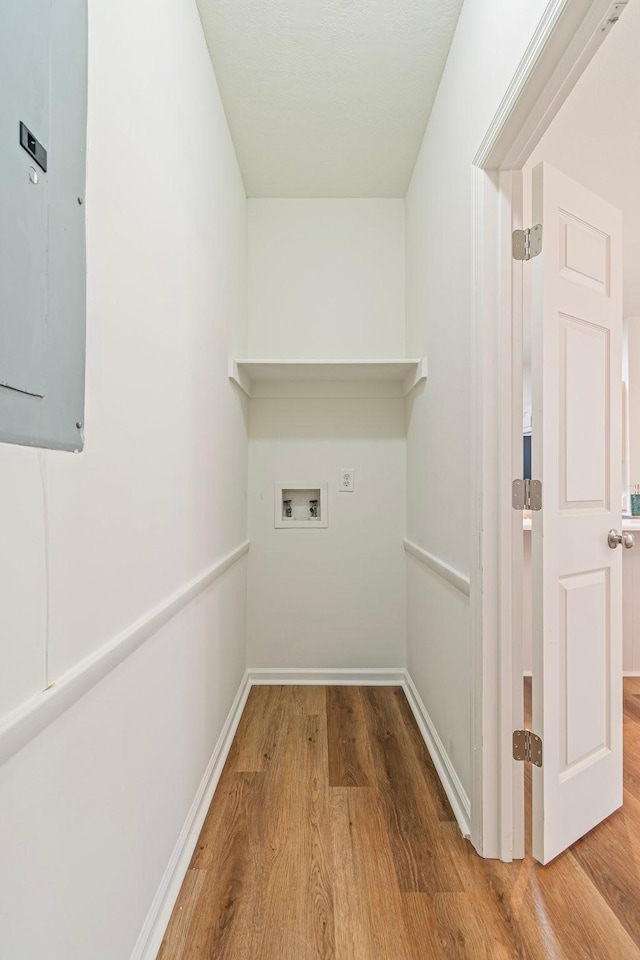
x,y
347,480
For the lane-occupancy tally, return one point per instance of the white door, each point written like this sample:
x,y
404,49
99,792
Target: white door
x,y
577,577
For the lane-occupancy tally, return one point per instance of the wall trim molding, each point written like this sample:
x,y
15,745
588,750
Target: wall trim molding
x,y
522,75
563,43
159,914
29,719
459,580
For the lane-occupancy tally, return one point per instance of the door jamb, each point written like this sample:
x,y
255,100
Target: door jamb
x,y
562,46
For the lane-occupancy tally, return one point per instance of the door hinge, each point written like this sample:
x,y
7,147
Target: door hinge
x,y
526,244
526,495
527,746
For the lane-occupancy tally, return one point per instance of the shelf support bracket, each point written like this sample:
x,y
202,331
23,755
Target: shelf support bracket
x,y
413,379
239,377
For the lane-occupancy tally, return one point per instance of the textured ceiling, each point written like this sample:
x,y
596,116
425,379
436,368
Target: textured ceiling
x,y
328,98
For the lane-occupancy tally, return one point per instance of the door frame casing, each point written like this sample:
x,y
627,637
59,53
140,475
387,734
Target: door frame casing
x,y
562,46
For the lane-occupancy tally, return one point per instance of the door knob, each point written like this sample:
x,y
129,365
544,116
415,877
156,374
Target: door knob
x,y
626,539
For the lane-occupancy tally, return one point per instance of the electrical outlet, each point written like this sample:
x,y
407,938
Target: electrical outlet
x,y
347,480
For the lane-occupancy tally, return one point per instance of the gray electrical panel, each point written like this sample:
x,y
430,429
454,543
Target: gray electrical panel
x,y
43,120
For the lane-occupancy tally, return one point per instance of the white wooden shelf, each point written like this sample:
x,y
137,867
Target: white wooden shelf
x,y
326,378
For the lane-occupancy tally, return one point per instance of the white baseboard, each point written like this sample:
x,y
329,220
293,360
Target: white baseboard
x,y
453,788
325,676
631,673
157,920
164,901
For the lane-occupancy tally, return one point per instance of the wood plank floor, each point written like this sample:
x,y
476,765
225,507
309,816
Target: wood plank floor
x,y
330,836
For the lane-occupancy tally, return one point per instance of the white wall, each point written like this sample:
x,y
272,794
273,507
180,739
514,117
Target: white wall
x,y
326,278
489,42
91,809
334,597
